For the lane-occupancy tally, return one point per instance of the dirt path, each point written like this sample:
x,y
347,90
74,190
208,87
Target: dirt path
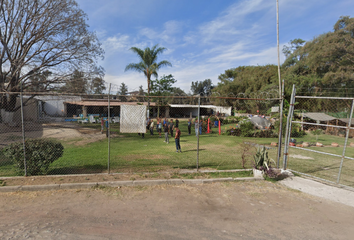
x,y
83,134
236,210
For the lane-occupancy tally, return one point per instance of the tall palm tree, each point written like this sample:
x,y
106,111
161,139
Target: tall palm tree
x,y
148,64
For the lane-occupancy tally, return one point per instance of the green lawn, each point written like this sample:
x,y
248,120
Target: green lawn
x,y
324,166
130,153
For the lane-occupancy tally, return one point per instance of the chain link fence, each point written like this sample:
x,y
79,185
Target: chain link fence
x,y
321,139
75,134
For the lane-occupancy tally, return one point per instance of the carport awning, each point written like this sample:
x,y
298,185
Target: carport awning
x,y
317,116
346,120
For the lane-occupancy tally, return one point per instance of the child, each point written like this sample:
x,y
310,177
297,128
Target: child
x,y
165,129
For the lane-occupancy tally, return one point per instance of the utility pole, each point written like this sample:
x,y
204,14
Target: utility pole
x,y
281,86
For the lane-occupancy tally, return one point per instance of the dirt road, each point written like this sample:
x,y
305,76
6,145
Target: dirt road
x,y
233,210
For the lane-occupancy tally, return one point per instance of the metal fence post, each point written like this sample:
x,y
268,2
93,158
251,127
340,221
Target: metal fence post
x,y
198,132
23,133
108,128
288,128
346,141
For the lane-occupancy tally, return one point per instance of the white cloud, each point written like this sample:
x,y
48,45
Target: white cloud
x,y
233,21
121,8
243,34
116,43
132,79
168,34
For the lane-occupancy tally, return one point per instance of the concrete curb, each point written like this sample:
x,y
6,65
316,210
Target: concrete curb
x,y
121,183
77,185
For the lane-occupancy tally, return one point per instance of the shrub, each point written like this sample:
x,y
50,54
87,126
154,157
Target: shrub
x,y
40,153
233,131
247,129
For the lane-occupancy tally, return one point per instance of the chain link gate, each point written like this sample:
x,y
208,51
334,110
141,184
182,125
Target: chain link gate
x,y
319,138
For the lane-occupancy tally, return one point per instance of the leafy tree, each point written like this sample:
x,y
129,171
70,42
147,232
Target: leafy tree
x,y
141,93
163,87
148,63
293,45
43,35
324,65
141,90
203,87
122,92
176,91
76,83
39,82
248,82
97,85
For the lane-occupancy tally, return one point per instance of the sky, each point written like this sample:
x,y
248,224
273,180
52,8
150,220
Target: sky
x,y
203,38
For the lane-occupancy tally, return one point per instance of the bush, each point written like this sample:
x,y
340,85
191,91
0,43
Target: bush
x,y
247,129
40,153
225,121
233,131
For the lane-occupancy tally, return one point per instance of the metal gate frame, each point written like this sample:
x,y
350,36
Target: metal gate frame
x,y
288,135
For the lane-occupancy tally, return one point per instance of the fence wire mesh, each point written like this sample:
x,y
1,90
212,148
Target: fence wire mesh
x,y
67,134
322,142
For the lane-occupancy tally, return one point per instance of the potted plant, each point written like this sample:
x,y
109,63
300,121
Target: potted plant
x,y
262,162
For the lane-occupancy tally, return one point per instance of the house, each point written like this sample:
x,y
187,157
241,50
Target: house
x,y
96,106
31,112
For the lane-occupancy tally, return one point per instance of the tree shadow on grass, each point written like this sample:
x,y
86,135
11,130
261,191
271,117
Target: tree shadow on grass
x,y
192,150
86,169
194,166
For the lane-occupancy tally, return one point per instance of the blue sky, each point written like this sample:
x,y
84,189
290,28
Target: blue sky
x,y
203,37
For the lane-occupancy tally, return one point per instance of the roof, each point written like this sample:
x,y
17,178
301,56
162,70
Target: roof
x,y
346,120
196,106
318,116
105,103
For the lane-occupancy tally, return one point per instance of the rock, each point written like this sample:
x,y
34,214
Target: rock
x,y
335,144
282,174
305,144
286,173
318,144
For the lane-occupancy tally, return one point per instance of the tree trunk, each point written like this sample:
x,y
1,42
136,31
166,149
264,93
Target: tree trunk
x,y
148,106
11,104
